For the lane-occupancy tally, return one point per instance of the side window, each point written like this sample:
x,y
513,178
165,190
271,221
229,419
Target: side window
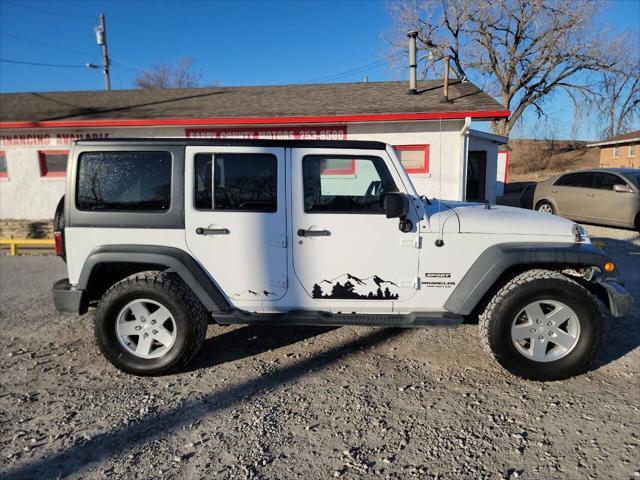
x,y
4,173
606,181
362,192
53,163
124,181
236,182
581,180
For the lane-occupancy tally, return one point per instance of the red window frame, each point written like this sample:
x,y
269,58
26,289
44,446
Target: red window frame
x,y
42,157
425,164
4,174
340,171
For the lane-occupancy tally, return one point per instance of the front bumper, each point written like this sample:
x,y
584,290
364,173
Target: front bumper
x,y
620,300
69,299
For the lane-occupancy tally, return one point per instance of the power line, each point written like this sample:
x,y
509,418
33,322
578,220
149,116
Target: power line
x,y
88,65
45,44
50,12
353,71
69,50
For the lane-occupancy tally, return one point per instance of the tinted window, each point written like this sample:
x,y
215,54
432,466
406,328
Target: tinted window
x,y
606,181
582,179
126,181
361,192
236,181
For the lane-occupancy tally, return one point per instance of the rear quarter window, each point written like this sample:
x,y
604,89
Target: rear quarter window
x,y
124,181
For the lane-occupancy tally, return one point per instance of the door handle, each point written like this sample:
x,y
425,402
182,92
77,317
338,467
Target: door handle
x,y
313,233
212,231
590,195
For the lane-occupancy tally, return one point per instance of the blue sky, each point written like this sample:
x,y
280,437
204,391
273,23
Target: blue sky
x,y
233,42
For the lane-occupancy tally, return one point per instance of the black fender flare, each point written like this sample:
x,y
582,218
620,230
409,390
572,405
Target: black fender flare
x,y
171,258
497,259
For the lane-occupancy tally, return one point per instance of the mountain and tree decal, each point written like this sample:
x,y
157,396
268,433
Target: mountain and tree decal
x,y
347,286
266,293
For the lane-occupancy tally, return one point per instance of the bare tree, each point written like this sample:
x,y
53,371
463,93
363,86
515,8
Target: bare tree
x,y
179,75
618,100
520,51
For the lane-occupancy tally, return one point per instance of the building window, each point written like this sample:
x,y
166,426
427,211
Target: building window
x,y
632,150
124,181
338,166
616,152
53,163
414,158
4,173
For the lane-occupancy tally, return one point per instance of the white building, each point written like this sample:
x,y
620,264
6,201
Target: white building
x,y
442,154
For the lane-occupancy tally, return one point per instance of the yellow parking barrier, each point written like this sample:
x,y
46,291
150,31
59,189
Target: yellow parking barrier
x,y
14,243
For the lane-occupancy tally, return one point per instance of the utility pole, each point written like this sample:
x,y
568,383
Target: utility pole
x,y
101,39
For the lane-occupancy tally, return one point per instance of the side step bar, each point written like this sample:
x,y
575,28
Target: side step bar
x,y
421,319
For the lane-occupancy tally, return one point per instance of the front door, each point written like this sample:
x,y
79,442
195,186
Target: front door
x,y
477,176
606,205
346,253
236,221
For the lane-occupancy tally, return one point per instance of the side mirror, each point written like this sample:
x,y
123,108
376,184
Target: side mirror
x,y
621,188
396,205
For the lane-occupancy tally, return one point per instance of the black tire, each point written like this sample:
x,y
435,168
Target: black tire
x,y
171,292
545,204
538,285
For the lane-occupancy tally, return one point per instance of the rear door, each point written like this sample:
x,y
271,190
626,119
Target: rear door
x,y
570,193
346,254
236,220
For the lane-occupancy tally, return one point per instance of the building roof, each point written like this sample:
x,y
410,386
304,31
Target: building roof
x,y
247,105
629,137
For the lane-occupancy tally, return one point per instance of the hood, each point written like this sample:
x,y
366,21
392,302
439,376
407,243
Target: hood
x,y
477,218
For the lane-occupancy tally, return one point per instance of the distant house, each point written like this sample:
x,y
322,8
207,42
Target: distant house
x,y
620,151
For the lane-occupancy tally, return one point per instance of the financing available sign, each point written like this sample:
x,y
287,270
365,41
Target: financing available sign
x,y
321,132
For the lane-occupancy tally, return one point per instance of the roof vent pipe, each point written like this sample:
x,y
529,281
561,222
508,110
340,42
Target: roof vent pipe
x,y
446,80
413,34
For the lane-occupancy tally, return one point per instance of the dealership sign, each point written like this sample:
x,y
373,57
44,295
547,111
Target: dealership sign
x,y
322,132
47,139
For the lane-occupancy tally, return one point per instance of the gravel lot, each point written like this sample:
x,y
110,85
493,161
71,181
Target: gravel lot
x,y
307,402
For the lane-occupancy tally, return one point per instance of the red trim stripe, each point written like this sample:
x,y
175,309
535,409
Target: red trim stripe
x,y
156,122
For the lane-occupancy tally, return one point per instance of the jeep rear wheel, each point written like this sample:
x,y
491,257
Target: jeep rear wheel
x,y
150,323
543,325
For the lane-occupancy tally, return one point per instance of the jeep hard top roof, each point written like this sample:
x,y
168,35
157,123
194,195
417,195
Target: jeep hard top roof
x,y
233,142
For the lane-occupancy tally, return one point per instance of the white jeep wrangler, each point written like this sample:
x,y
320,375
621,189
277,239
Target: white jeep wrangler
x,y
164,236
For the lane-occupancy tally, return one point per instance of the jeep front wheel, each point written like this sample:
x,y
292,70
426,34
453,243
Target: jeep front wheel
x,y
150,323
543,325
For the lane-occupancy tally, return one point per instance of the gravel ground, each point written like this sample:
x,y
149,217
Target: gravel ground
x,y
307,402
